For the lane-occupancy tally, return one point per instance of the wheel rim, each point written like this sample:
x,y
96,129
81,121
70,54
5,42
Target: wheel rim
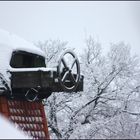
x,y
31,94
68,79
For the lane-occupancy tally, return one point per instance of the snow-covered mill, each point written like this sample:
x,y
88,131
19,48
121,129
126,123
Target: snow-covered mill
x,y
25,81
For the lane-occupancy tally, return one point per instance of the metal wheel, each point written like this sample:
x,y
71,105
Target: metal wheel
x,y
68,71
31,94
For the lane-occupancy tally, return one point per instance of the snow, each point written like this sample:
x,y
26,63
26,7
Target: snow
x,y
32,69
9,43
15,42
8,131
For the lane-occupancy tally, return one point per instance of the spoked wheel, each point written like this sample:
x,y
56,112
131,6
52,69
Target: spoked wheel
x,y
68,71
31,94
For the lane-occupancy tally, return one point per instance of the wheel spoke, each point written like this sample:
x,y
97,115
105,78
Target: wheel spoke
x,y
73,63
72,78
64,62
65,77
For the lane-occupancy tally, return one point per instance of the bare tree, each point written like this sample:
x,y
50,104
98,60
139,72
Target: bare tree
x,y
110,99
52,49
109,82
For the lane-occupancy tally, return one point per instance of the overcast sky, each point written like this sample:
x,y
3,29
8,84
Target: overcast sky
x,y
73,21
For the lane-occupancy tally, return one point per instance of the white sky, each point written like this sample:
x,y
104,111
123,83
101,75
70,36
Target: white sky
x,y
74,21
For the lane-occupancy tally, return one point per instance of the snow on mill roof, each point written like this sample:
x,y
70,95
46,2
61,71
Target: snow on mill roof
x,y
10,42
14,42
